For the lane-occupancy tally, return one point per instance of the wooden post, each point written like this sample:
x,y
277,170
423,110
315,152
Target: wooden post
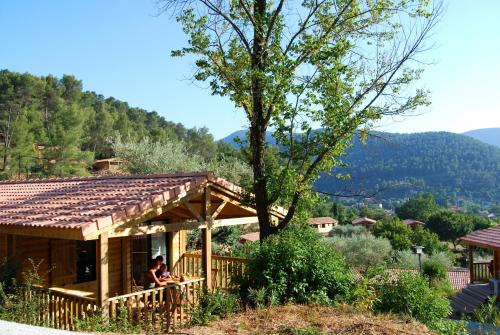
x,y
471,264
126,265
102,272
496,264
206,238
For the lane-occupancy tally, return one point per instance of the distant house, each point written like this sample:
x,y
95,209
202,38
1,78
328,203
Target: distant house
x,y
413,223
108,164
365,222
250,237
323,224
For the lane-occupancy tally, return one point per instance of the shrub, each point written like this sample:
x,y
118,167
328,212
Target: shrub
x,y
396,232
434,269
348,231
212,306
410,294
297,264
407,259
363,252
488,313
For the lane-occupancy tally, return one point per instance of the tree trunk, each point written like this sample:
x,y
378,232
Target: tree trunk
x,y
258,123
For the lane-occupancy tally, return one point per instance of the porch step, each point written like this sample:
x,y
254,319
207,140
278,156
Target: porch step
x,y
470,298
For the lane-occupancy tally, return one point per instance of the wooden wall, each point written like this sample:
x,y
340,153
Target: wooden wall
x,y
177,244
3,246
37,249
115,266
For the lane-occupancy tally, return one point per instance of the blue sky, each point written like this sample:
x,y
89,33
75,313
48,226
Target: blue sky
x,y
122,49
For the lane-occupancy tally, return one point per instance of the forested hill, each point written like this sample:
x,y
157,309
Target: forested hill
x,y
399,165
50,126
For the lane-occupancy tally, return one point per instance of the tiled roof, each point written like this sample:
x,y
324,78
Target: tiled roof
x,y
322,220
410,222
89,204
251,237
364,220
485,238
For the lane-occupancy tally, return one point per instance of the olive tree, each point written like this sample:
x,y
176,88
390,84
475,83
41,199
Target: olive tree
x,y
296,66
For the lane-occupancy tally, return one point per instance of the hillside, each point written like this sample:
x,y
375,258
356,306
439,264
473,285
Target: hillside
x,y
50,126
486,135
396,166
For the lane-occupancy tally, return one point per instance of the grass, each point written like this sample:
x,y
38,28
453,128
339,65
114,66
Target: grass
x,y
309,320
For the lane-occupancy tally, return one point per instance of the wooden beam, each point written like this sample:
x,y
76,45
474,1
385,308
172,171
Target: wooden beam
x,y
471,264
154,229
219,209
126,264
235,221
206,239
194,211
103,272
46,232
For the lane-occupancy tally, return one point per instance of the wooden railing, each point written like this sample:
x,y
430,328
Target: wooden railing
x,y
160,309
224,268
480,272
60,310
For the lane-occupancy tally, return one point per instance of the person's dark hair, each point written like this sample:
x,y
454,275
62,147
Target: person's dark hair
x,y
153,263
159,258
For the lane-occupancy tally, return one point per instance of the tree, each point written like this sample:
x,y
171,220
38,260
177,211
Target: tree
x,y
399,234
363,252
418,208
450,226
336,64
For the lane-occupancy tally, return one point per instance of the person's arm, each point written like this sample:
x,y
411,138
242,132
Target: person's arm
x,y
152,275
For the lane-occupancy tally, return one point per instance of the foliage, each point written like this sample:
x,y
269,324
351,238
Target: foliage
x,y
72,126
23,310
171,156
407,259
375,213
348,231
403,237
98,322
399,234
212,306
398,166
449,225
345,215
450,327
434,269
488,313
294,71
363,252
291,330
410,294
418,208
297,265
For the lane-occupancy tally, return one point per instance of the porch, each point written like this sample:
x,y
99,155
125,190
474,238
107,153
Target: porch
x,y
99,234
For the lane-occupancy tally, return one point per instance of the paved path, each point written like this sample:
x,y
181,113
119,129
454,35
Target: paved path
x,y
11,328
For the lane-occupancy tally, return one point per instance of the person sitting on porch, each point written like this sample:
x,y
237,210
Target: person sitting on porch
x,y
159,260
163,271
150,278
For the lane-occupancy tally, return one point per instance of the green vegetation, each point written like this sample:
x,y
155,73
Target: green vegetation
x,y
297,265
398,166
363,252
213,305
50,126
449,225
410,294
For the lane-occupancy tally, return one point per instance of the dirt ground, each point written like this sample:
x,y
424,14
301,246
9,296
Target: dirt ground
x,y
308,320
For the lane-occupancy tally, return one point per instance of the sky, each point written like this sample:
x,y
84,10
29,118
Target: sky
x,y
121,48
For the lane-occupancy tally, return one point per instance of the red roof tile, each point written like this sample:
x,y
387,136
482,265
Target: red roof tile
x,y
485,238
88,204
410,222
322,220
364,220
251,237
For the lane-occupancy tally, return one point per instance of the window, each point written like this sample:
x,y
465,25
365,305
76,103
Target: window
x,y
86,261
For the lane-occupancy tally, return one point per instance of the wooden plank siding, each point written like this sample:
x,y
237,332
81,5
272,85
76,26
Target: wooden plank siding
x,y
3,246
115,266
38,250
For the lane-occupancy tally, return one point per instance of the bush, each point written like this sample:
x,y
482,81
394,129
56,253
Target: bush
x,y
297,265
434,269
348,231
410,294
363,252
399,234
212,306
407,259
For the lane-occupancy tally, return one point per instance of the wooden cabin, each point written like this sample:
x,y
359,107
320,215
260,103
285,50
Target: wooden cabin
x,y
323,224
365,222
413,224
109,164
95,236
